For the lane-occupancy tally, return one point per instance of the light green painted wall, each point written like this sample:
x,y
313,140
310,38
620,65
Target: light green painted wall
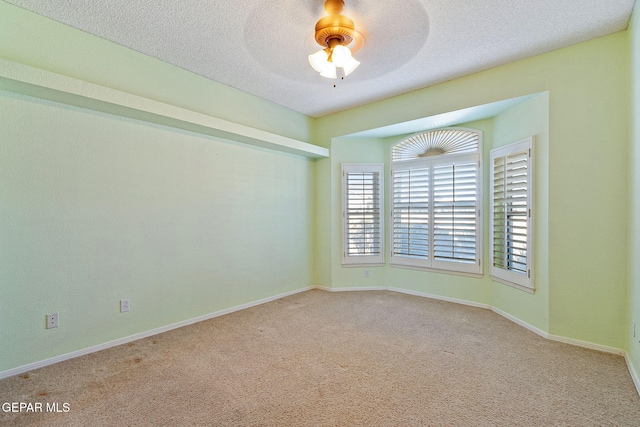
x,y
588,152
588,162
634,233
96,208
530,118
31,39
323,237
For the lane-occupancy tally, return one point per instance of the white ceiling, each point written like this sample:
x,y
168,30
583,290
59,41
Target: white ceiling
x,y
261,46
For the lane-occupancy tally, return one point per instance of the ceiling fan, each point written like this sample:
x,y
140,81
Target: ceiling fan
x,y
337,36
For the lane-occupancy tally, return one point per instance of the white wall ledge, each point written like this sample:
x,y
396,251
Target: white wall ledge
x,y
38,83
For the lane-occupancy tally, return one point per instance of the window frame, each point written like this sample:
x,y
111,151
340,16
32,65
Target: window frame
x,y
508,276
431,263
362,260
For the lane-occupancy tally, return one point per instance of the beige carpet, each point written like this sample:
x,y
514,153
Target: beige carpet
x,y
336,359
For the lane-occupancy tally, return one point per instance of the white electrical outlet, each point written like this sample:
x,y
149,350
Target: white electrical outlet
x,y
52,320
124,305
366,274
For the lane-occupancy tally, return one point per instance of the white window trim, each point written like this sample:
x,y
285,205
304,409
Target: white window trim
x,y
429,264
523,282
362,260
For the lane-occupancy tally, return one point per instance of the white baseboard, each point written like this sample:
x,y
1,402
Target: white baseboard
x,y
42,363
522,323
585,344
370,288
439,297
403,291
632,372
589,345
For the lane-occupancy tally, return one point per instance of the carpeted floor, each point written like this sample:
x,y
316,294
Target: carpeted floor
x,y
336,359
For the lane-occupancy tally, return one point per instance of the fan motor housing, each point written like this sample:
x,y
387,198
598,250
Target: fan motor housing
x,y
335,26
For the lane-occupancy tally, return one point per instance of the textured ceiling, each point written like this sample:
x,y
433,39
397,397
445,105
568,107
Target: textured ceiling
x,y
261,46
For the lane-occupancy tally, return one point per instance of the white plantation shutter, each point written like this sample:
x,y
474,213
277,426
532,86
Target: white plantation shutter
x,y
511,216
362,214
436,196
455,216
411,215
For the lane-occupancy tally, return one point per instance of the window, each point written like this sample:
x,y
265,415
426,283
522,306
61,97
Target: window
x,y
362,208
511,216
436,201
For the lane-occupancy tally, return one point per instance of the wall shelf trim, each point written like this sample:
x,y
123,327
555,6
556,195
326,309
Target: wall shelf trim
x,y
38,83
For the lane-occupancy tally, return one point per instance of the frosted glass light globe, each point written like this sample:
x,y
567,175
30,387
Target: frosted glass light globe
x,y
350,65
319,60
340,55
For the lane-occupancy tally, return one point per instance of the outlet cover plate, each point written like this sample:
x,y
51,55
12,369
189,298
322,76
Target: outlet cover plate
x,y
52,320
124,305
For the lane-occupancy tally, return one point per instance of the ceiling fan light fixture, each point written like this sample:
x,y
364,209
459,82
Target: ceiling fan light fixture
x,y
340,55
329,71
319,60
350,65
335,33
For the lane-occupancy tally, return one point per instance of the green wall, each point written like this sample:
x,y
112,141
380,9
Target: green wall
x,y
96,208
634,233
588,174
588,169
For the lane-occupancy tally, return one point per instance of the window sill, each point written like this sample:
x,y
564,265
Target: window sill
x,y
435,270
514,285
364,265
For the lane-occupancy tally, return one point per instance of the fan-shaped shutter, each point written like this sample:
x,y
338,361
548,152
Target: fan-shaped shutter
x,y
436,143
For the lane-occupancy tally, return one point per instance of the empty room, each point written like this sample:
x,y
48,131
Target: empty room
x,y
319,213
